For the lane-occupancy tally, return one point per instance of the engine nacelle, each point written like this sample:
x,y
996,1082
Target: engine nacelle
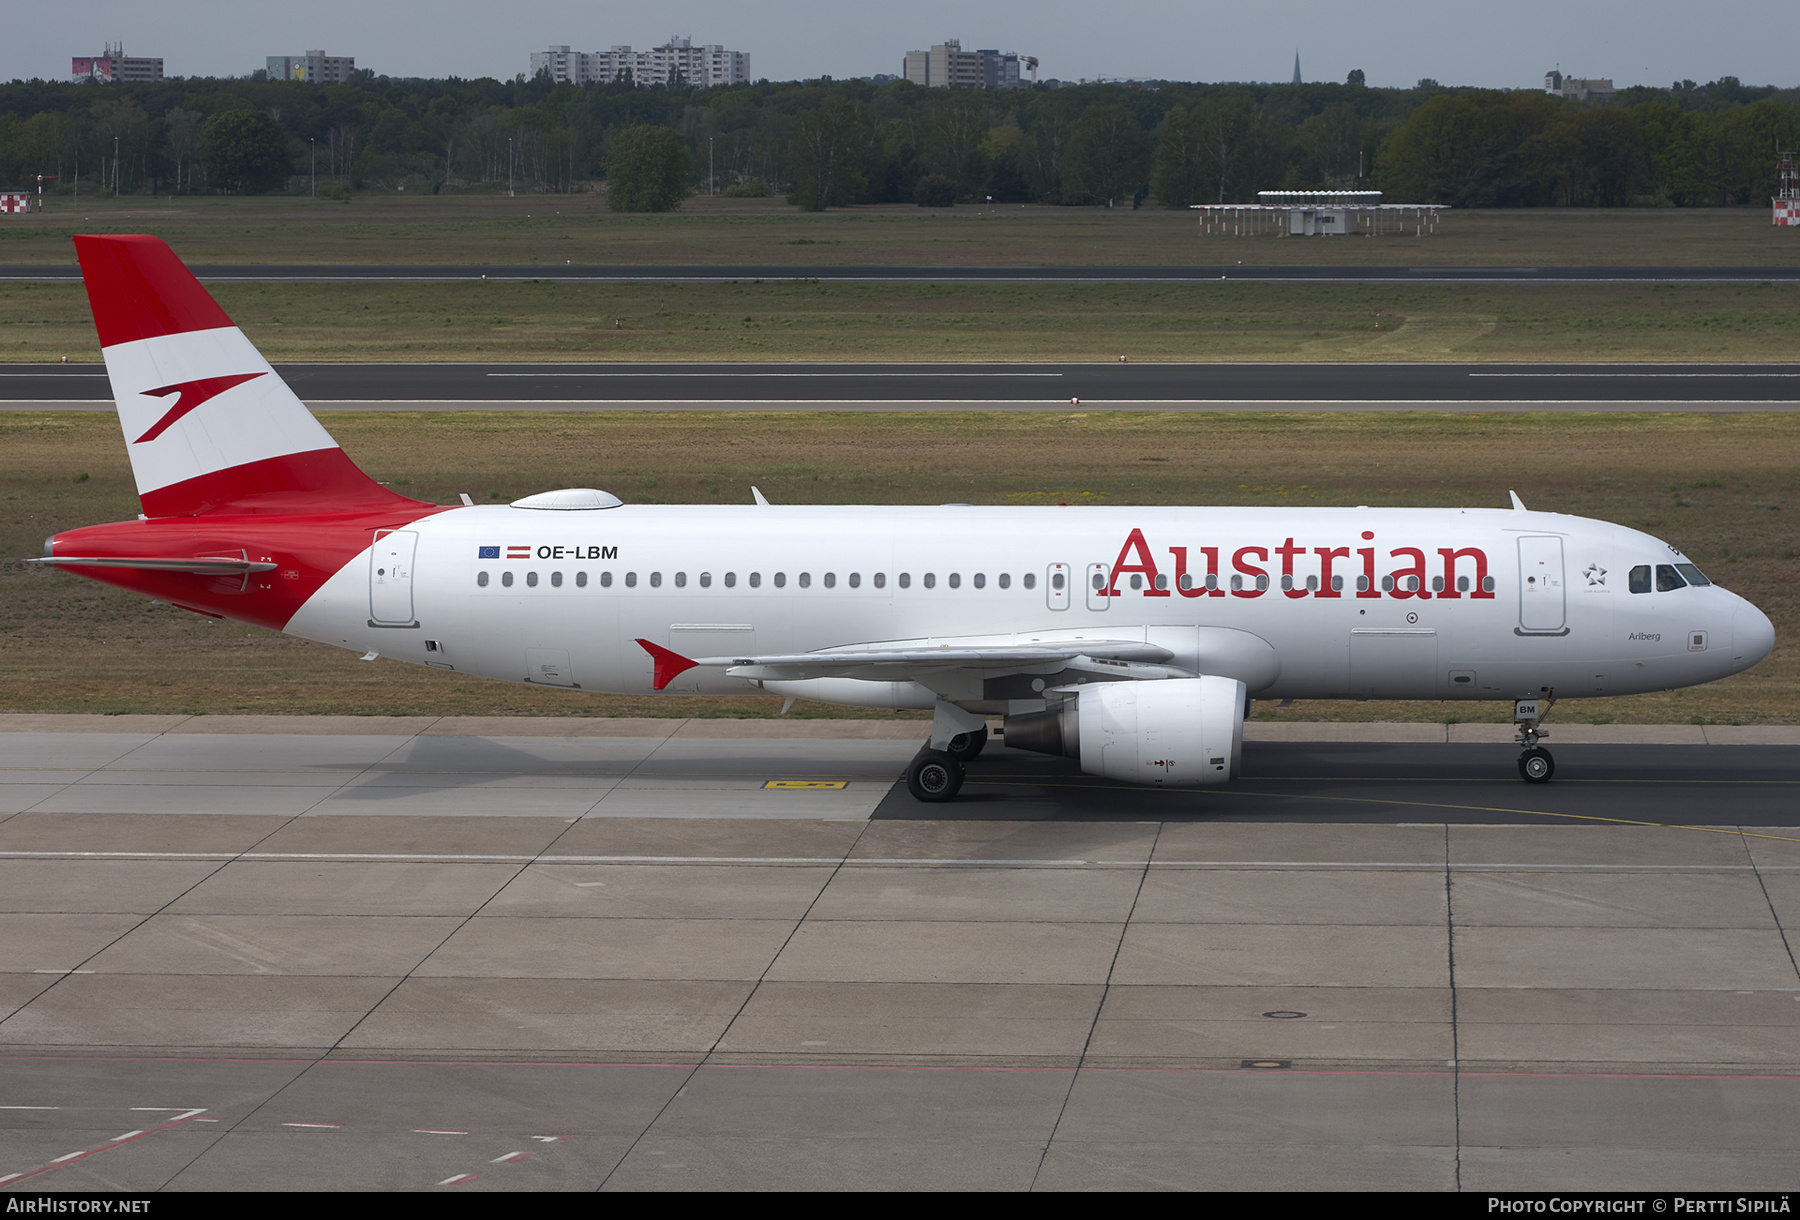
x,y
1186,731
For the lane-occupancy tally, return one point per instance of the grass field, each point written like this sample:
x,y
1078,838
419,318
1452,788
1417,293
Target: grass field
x,y
1722,487
400,228
785,320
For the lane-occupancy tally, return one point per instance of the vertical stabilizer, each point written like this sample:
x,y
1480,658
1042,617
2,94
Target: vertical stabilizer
x,y
208,424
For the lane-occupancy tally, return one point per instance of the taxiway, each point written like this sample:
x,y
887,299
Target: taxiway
x,y
381,953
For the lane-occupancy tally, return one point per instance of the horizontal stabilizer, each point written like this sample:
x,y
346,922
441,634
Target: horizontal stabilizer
x,y
201,565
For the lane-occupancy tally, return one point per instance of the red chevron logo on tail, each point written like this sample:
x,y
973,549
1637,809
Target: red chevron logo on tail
x,y
193,393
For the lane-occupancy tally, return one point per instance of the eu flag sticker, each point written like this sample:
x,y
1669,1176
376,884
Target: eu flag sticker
x,y
489,552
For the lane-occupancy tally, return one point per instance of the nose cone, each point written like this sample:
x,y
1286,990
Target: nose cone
x,y
1752,637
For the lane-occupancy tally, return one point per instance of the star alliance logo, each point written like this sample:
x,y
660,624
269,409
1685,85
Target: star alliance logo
x,y
1596,575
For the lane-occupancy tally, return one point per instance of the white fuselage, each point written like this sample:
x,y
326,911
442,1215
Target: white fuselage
x,y
1354,603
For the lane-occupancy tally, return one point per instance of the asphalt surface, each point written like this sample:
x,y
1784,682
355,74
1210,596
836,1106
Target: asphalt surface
x,y
324,273
974,386
1367,782
247,953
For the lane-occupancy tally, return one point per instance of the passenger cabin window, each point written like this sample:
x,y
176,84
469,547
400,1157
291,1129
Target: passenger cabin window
x,y
981,580
506,579
631,580
1005,580
681,580
956,580
656,580
1639,579
556,580
1668,579
706,580
931,580
531,580
856,580
881,580
781,580
906,580
481,579
731,580
831,580
581,580
805,580
756,580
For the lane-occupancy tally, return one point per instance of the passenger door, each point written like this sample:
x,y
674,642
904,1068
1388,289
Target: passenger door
x,y
1541,593
391,579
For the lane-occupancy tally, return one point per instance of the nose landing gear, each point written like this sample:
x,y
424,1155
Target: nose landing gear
x,y
1535,764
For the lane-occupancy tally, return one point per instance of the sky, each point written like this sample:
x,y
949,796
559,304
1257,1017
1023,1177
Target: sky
x,y
1509,44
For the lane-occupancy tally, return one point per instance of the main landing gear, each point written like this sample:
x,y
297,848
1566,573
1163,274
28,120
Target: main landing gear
x,y
936,773
1535,764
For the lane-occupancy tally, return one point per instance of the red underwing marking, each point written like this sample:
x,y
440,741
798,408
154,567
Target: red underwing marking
x,y
192,394
461,1179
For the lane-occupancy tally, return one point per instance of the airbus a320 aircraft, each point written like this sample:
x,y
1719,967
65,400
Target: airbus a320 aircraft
x,y
1130,639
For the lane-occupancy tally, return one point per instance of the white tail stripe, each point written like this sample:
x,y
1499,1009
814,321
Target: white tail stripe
x,y
251,421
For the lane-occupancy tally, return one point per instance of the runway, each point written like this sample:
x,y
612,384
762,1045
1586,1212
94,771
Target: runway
x,y
393,953
1033,387
714,273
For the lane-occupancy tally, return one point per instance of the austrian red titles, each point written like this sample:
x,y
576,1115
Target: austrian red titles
x,y
1297,570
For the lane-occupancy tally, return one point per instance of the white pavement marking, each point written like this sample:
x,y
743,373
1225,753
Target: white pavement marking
x,y
509,1158
436,1131
459,1179
1617,375
128,1135
317,1126
746,376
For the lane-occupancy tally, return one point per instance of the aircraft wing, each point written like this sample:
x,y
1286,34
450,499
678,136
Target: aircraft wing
x,y
907,660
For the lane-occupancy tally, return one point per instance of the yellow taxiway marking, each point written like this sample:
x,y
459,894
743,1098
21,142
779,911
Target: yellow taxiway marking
x,y
807,783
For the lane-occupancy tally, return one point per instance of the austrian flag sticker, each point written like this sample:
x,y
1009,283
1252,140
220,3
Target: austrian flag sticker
x,y
518,552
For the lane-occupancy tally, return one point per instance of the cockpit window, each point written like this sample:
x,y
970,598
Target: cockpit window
x,y
1640,578
1668,578
1693,575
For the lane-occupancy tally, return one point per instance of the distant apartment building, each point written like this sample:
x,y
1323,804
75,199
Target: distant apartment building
x,y
115,65
315,67
1577,89
948,66
677,59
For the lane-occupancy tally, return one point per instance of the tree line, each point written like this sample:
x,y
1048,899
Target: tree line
x,y
829,143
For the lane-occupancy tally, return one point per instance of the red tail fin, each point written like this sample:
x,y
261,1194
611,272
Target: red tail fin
x,y
210,426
